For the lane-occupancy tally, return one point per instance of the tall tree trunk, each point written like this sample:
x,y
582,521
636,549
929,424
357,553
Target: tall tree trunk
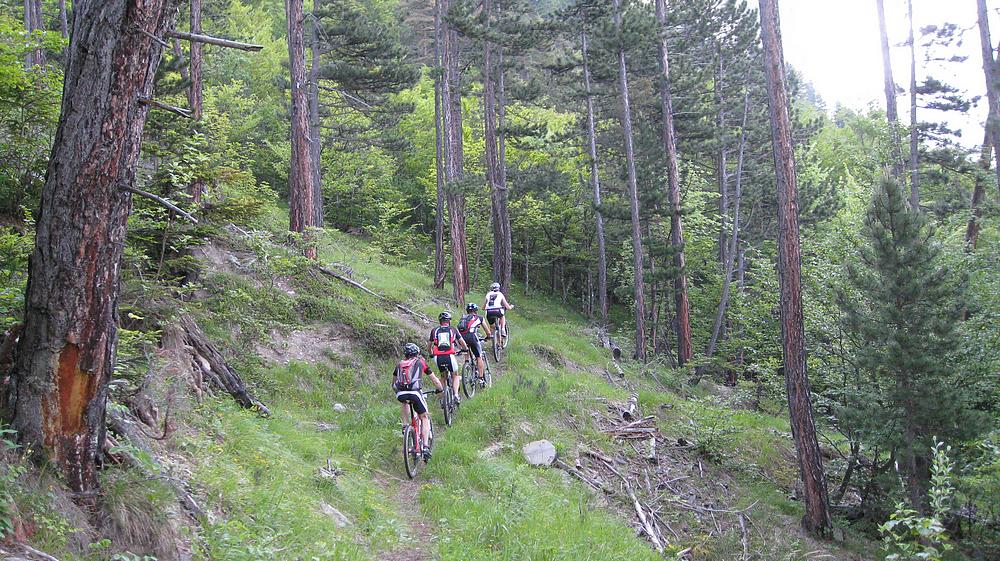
x,y
197,187
301,190
817,518
33,23
494,165
595,181
914,133
633,194
727,279
978,194
67,351
454,160
439,156
992,90
721,163
681,305
315,142
63,20
891,107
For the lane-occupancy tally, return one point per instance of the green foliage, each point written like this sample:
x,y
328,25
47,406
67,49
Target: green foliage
x,y
908,536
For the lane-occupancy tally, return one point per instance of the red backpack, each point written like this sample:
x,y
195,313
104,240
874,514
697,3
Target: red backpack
x,y
408,374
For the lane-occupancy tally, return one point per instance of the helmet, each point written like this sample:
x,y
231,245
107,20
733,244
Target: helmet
x,y
495,286
444,316
471,307
410,350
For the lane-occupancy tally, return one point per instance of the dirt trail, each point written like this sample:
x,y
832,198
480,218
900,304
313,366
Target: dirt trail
x,y
416,544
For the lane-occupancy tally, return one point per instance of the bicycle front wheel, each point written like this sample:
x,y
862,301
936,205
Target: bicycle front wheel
x,y
412,453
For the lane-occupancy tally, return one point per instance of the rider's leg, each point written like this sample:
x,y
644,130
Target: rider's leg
x,y
404,413
456,382
480,365
425,429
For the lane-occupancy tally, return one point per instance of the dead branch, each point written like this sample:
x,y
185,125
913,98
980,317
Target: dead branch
x,y
199,38
171,206
28,549
632,408
580,475
169,108
330,272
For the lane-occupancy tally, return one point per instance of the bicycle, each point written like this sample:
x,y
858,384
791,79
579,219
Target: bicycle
x,y
470,374
499,348
448,403
413,452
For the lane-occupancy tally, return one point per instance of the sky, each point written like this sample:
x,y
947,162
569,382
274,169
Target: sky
x,y
834,44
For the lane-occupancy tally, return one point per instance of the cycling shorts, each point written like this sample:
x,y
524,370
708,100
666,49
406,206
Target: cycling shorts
x,y
493,315
475,345
414,398
447,363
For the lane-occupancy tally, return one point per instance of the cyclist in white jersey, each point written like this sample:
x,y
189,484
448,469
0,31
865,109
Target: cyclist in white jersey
x,y
496,308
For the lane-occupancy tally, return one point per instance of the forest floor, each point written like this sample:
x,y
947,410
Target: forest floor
x,y
321,477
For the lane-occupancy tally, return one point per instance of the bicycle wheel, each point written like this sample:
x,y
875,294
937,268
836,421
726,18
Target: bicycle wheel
x,y
468,379
497,348
487,375
448,405
412,453
506,335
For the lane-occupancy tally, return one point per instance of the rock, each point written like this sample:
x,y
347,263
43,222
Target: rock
x,y
338,517
540,453
339,408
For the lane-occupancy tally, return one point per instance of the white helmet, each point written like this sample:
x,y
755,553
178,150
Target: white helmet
x,y
495,287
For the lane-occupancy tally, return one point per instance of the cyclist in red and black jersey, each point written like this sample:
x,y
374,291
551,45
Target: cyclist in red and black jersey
x,y
406,383
444,344
469,326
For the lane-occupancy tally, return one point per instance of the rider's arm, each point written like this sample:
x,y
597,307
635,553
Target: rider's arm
x,y
461,340
506,303
429,372
486,327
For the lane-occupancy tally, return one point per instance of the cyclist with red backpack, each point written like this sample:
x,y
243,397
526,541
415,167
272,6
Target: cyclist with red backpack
x,y
469,326
406,383
444,344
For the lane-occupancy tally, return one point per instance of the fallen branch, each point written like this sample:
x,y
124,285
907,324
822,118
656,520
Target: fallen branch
x,y
330,272
215,368
169,108
631,408
177,210
207,39
580,475
28,549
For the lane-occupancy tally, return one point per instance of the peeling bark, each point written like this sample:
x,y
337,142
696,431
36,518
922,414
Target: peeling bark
x,y
66,354
301,188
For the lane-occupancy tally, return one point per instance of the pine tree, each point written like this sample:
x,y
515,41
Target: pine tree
x,y
904,304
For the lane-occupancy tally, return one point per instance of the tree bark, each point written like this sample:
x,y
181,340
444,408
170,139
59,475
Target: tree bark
x,y
978,194
727,279
33,23
681,304
914,132
197,187
722,164
595,181
992,93
817,518
494,164
63,20
301,189
315,145
439,265
66,354
891,107
454,164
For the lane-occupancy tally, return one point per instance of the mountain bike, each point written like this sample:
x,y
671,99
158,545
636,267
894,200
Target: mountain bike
x,y
413,454
470,374
449,403
499,348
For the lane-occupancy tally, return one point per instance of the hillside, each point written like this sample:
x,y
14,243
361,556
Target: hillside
x,y
321,476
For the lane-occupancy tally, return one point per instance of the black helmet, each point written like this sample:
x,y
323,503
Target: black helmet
x,y
410,350
471,307
444,316
495,287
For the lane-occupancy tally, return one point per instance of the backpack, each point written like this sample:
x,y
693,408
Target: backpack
x,y
443,336
463,324
408,374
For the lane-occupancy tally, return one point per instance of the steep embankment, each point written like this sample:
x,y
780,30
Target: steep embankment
x,y
321,477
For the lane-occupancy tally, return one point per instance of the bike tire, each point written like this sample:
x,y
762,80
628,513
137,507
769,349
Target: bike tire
x,y
497,348
488,375
468,379
411,452
506,336
448,405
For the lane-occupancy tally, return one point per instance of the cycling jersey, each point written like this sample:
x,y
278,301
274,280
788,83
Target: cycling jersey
x,y
444,340
472,324
495,300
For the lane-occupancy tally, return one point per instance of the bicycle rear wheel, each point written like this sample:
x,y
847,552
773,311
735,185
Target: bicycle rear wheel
x,y
468,379
487,375
497,348
412,453
506,335
448,404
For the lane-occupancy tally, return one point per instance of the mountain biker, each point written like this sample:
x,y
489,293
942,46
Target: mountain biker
x,y
496,308
443,345
406,383
469,326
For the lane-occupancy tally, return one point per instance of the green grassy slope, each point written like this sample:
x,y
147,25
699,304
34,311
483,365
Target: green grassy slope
x,y
478,499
